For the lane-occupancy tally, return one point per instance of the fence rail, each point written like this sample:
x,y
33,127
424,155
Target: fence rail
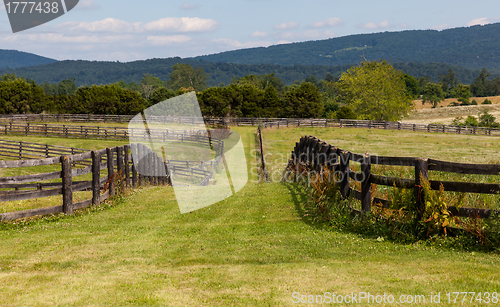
x,y
316,154
118,161
241,121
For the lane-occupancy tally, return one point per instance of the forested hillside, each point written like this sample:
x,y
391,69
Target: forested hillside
x,y
99,72
470,47
15,59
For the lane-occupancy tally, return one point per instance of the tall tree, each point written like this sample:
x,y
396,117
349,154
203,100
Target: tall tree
x,y
303,101
375,91
184,75
462,93
149,84
432,93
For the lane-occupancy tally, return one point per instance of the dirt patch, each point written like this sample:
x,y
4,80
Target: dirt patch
x,y
425,114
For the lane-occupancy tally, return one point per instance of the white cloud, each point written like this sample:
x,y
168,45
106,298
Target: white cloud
x,y
304,35
84,39
478,21
375,26
287,26
330,22
404,25
231,43
87,5
105,25
184,24
189,6
258,34
158,40
442,27
171,24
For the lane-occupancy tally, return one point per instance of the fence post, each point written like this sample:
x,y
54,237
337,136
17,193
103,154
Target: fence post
x,y
119,162
366,195
133,149
67,189
96,176
344,157
111,172
127,165
421,173
140,163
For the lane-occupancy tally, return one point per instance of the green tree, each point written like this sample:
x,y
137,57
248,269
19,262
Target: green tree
x,y
462,93
412,88
471,121
66,87
432,93
448,82
376,91
160,95
18,96
345,113
149,84
184,75
303,101
272,104
214,101
487,120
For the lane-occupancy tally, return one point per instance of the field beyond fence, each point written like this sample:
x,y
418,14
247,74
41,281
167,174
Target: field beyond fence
x,y
316,155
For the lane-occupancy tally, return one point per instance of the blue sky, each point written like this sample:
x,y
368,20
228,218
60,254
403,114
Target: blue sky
x,y
115,30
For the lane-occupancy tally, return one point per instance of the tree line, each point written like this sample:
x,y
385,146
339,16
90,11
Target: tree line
x,y
372,90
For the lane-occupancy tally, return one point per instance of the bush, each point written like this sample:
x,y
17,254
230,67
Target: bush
x,y
486,101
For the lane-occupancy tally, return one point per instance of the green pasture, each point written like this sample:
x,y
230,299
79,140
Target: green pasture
x,y
476,149
256,248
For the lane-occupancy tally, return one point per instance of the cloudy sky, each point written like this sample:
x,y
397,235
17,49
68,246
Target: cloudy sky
x,y
114,30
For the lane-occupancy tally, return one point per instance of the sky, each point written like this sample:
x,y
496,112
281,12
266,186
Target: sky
x,y
124,31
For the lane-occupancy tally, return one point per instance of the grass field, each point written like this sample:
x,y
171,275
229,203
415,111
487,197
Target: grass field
x,y
475,149
52,200
254,249
425,114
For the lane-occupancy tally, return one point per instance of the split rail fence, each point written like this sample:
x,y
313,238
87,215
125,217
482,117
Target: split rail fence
x,y
117,161
316,154
21,121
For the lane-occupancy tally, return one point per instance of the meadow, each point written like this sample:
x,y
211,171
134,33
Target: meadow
x,y
257,248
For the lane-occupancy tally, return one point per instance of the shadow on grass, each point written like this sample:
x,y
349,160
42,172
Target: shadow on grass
x,y
300,199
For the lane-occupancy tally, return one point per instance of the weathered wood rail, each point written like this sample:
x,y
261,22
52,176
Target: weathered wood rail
x,y
242,121
107,133
351,123
118,165
25,150
314,154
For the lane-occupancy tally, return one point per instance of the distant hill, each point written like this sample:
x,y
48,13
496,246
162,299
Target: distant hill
x,y
97,72
16,59
470,47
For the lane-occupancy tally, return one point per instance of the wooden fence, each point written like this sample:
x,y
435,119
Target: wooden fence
x,y
108,133
26,150
316,154
117,161
235,121
96,118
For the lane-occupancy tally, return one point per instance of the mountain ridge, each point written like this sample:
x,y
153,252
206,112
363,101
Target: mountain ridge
x,y
18,59
472,47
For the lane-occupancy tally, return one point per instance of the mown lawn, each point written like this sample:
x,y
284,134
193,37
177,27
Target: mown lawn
x,y
254,249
